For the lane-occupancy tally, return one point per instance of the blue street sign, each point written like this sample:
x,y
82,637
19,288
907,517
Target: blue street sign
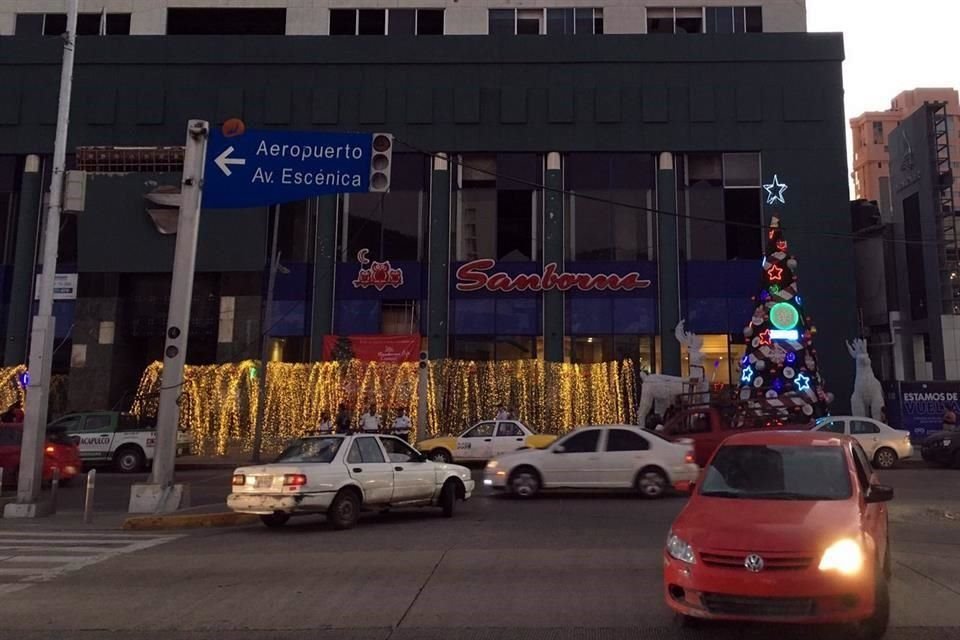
x,y
258,168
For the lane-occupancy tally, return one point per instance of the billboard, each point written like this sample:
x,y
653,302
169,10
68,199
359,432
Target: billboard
x,y
919,407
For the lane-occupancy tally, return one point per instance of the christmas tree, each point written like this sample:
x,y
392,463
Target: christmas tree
x,y
343,350
779,374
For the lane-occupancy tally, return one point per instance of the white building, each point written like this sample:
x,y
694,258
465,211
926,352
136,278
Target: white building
x,y
373,17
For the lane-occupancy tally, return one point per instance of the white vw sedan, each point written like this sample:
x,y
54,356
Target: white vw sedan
x,y
597,457
883,444
341,475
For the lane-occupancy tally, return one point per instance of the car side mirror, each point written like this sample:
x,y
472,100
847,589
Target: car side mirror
x,y
559,449
879,493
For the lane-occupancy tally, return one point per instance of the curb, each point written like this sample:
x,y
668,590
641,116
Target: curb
x,y
188,521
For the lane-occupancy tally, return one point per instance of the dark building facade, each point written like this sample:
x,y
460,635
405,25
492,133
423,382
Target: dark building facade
x,y
637,159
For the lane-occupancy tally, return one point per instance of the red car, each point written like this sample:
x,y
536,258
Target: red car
x,y
59,451
783,526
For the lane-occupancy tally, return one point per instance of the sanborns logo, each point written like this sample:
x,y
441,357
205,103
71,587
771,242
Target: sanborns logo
x,y
472,277
379,275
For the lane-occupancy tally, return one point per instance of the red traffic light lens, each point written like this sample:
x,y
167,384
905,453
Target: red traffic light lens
x,y
382,143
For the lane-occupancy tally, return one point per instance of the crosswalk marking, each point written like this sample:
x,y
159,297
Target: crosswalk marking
x,y
31,557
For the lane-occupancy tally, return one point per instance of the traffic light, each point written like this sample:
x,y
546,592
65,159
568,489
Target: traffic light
x,y
423,359
380,161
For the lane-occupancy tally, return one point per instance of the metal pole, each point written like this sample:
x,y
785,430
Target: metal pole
x,y
41,337
54,487
181,291
88,497
422,407
1,481
265,338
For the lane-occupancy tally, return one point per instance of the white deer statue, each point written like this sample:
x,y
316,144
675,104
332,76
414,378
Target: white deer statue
x,y
659,391
867,398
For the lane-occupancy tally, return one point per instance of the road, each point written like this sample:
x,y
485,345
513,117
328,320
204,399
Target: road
x,y
562,567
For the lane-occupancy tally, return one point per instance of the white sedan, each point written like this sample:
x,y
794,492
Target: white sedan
x,y
884,444
341,475
597,457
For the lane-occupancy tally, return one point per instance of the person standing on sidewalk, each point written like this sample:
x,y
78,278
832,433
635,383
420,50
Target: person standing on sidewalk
x,y
401,424
370,421
325,426
343,420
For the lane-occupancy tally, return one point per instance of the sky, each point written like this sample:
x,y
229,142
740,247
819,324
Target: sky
x,y
891,46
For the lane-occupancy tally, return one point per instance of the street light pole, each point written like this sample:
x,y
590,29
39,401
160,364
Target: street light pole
x,y
42,334
265,338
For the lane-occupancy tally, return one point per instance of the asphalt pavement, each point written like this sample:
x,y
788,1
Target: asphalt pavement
x,y
568,566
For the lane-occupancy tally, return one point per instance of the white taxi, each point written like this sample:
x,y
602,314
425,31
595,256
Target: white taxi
x,y
597,457
484,440
339,476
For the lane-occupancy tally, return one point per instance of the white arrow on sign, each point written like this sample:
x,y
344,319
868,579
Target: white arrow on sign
x,y
224,161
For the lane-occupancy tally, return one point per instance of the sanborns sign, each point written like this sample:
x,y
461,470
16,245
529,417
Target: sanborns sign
x,y
475,276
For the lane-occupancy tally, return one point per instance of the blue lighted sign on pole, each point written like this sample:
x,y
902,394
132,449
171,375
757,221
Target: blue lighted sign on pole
x,y
258,168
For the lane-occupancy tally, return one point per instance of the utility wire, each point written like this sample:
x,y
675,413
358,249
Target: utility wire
x,y
732,223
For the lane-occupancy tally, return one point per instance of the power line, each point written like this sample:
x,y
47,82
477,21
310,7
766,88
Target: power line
x,y
679,215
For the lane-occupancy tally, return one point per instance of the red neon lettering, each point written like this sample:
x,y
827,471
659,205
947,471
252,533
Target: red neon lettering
x,y
472,277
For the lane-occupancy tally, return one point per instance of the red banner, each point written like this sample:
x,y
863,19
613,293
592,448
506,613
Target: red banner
x,y
373,348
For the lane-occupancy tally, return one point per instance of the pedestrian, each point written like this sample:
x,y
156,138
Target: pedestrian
x,y
502,413
401,424
343,419
370,421
325,426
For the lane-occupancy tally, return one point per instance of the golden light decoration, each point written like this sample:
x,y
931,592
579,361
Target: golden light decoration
x,y
11,390
218,403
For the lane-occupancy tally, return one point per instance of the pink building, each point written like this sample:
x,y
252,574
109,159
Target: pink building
x,y
871,132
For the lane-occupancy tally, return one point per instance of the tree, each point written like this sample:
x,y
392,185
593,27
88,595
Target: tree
x,y
779,374
343,350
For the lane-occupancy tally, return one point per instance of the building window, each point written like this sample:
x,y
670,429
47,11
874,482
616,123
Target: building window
x,y
498,206
88,24
561,21
877,133
226,22
675,20
401,317
493,347
722,354
734,20
378,22
612,348
721,199
608,208
390,226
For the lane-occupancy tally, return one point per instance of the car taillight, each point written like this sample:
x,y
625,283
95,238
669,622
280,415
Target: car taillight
x,y
50,449
689,458
294,480
239,479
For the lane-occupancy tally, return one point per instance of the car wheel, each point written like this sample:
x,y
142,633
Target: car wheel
x,y
448,499
524,483
128,460
651,483
345,510
275,520
885,458
874,627
441,455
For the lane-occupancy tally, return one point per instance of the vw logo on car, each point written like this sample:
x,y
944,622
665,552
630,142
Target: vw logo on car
x,y
753,563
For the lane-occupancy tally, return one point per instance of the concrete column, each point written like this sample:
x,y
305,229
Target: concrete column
x,y
21,285
668,264
324,274
553,251
438,285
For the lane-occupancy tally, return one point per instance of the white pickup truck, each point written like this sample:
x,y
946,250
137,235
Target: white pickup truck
x,y
112,437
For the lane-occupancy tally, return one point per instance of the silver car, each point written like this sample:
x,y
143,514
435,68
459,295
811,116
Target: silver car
x,y
884,444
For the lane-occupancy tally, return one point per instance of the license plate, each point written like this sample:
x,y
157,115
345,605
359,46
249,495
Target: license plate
x,y
263,482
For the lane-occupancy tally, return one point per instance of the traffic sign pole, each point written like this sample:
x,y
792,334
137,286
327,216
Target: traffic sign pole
x,y
41,338
181,292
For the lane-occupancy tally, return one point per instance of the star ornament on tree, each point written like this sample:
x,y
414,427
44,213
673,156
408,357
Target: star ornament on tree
x,y
746,375
765,338
803,382
775,191
775,273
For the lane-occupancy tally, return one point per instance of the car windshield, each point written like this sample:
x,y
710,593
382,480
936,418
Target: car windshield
x,y
311,450
767,472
